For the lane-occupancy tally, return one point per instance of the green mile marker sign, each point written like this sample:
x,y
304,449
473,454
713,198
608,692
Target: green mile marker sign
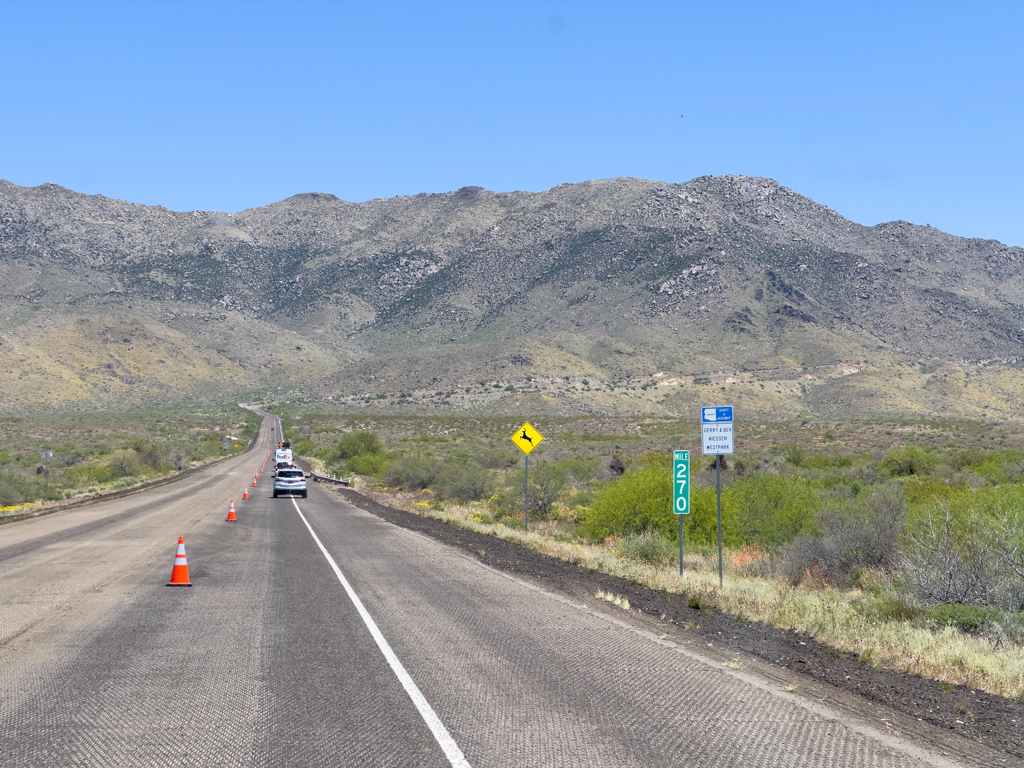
x,y
681,493
681,483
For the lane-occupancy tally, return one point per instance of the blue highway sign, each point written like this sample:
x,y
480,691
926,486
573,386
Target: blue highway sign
x,y
716,414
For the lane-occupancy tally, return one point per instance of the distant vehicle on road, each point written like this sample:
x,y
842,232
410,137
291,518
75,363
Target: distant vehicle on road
x,y
289,481
283,458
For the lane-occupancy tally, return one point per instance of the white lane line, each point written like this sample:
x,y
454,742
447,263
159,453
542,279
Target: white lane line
x,y
444,738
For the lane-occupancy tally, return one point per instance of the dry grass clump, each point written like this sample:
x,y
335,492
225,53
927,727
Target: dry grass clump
x,y
825,613
617,600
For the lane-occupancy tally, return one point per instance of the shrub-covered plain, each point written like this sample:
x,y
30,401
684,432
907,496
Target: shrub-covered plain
x,y
903,529
96,452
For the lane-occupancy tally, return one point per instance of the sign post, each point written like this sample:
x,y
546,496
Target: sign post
x,y
681,493
526,439
717,440
47,455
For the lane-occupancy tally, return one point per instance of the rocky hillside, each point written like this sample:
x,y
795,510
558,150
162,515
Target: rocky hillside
x,y
683,289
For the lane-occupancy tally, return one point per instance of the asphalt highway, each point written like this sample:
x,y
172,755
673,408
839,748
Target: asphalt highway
x,y
316,634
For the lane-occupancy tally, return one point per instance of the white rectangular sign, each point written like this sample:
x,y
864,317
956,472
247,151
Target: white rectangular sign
x,y
716,430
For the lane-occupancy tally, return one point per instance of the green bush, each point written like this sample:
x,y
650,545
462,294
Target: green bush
x,y
497,459
464,480
904,462
209,446
650,548
149,453
773,509
928,488
549,484
794,454
579,469
303,447
360,452
513,521
125,462
884,606
967,618
825,461
371,464
640,501
358,444
850,535
968,548
91,474
1002,467
585,496
16,490
413,473
969,457
701,525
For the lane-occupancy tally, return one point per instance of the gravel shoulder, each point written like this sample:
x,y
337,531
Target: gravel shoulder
x,y
971,725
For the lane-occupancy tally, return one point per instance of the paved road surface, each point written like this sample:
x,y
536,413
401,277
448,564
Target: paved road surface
x,y
268,661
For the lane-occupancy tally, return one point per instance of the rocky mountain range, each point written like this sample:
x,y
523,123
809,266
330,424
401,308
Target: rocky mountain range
x,y
613,296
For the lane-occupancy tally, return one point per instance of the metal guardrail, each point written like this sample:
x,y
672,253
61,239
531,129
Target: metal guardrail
x,y
328,479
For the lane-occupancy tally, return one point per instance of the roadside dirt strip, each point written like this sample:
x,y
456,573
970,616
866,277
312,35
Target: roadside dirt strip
x,y
318,634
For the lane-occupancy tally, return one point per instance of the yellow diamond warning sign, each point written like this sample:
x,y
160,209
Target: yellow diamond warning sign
x,y
527,438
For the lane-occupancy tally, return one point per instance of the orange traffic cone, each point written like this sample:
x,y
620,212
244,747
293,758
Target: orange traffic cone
x,y
179,576
245,496
254,481
231,511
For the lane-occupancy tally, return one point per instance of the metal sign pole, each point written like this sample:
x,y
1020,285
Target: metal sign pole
x,y
526,495
717,439
680,545
718,487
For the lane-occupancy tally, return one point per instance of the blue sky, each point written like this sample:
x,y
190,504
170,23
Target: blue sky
x,y
881,111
